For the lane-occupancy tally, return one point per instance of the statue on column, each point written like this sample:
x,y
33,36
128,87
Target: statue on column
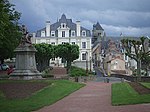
x,y
26,38
25,67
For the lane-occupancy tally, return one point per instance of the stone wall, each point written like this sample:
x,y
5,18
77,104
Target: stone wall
x,y
132,78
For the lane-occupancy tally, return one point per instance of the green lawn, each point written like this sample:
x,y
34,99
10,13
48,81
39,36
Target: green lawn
x,y
47,96
146,85
124,94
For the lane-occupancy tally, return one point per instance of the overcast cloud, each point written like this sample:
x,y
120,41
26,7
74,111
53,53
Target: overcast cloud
x,y
131,17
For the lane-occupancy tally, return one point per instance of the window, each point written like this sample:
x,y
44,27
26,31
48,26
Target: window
x,y
83,33
126,57
72,33
84,56
63,33
63,25
53,43
52,33
83,44
99,34
73,43
64,42
42,33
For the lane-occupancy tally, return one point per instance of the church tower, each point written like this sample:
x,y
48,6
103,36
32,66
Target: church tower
x,y
97,33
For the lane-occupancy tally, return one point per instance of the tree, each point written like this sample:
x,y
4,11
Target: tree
x,y
9,29
68,52
146,64
44,53
139,54
146,59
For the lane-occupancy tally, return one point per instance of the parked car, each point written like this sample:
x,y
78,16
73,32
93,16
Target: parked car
x,y
4,67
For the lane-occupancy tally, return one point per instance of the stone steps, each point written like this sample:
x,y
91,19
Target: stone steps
x,y
59,72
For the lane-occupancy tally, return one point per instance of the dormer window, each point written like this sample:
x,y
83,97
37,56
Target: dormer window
x,y
84,33
72,33
52,33
42,33
63,25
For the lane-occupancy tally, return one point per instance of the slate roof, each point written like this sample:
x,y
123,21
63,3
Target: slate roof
x,y
95,43
104,44
69,24
97,26
38,33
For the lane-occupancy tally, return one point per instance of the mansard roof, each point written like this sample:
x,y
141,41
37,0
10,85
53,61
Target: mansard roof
x,y
69,23
38,33
63,19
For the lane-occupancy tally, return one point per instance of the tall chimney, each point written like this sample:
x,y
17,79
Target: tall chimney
x,y
78,28
48,28
34,34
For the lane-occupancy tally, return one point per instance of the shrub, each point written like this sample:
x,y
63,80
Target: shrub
x,y
143,72
75,71
47,74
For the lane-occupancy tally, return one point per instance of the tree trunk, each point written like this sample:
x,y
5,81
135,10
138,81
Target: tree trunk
x,y
139,70
147,68
146,71
39,67
42,64
46,64
68,66
2,61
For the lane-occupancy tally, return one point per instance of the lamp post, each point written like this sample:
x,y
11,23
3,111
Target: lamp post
x,y
90,63
86,62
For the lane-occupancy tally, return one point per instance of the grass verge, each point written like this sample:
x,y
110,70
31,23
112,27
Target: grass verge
x,y
124,94
57,90
146,84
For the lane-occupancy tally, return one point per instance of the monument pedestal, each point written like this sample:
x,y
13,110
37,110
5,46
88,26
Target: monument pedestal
x,y
25,68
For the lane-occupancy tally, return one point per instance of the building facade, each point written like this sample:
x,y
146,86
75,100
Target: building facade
x,y
98,38
114,61
65,31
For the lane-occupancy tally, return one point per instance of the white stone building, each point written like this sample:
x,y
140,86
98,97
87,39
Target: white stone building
x,y
65,31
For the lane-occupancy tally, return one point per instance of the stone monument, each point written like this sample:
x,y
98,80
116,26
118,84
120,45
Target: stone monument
x,y
25,67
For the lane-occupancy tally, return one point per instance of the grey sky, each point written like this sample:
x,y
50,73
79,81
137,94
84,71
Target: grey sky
x,y
131,17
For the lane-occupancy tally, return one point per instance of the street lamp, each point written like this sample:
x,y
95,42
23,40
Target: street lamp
x,y
90,63
86,62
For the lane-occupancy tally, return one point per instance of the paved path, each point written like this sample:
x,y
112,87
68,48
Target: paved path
x,y
98,72
95,97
